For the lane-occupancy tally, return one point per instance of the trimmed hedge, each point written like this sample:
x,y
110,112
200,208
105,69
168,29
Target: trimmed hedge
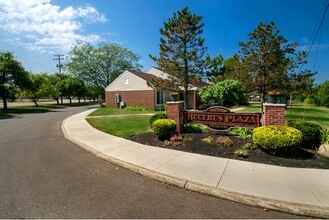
x,y
159,115
193,128
278,140
164,128
312,133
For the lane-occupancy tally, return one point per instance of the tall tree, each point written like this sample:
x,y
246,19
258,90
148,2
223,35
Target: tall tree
x,y
38,88
53,86
300,81
100,65
322,94
266,57
12,75
182,50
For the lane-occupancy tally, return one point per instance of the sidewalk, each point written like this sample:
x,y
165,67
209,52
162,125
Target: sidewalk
x,y
294,190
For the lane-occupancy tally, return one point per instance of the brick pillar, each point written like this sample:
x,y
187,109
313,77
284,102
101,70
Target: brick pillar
x,y
273,114
175,112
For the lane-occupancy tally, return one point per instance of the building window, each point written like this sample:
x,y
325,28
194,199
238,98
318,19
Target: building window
x,y
126,81
159,100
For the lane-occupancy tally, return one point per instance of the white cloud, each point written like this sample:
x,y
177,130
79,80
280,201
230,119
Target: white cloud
x,y
43,27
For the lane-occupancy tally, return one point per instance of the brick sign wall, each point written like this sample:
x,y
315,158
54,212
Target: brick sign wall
x,y
221,118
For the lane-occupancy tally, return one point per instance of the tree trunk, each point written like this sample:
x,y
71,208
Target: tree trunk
x,y
4,99
61,100
79,99
70,100
185,97
57,100
290,102
35,102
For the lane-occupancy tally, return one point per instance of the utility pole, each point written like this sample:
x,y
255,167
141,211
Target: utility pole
x,y
59,65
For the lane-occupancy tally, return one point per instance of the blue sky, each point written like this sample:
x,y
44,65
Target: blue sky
x,y
35,30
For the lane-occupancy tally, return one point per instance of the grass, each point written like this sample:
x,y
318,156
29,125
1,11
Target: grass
x,y
104,111
122,125
311,113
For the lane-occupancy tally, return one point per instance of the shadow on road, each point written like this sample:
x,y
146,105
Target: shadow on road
x,y
16,111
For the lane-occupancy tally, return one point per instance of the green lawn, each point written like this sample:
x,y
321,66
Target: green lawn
x,y
122,125
311,113
116,111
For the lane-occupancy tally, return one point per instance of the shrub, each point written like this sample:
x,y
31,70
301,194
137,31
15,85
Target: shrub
x,y
241,153
325,136
177,140
244,133
277,139
191,128
311,133
208,140
135,108
159,115
226,141
249,146
164,128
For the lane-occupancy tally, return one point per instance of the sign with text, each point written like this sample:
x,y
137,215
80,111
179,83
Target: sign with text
x,y
220,118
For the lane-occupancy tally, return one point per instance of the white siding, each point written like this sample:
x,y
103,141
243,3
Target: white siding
x,y
127,81
157,72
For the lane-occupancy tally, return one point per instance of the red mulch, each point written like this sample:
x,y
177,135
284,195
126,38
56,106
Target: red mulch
x,y
303,158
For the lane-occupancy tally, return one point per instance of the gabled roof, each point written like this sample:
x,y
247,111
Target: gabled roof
x,y
145,76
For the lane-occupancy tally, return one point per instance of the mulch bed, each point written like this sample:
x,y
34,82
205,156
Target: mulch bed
x,y
303,159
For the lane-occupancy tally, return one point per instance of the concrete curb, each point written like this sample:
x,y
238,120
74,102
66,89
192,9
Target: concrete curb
x,y
290,207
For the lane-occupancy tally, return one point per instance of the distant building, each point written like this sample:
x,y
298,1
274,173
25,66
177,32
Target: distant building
x,y
132,89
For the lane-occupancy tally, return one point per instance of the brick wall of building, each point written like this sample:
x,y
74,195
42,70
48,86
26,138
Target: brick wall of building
x,y
273,114
145,98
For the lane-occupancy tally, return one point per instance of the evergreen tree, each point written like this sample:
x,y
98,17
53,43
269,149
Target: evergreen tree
x,y
266,56
182,50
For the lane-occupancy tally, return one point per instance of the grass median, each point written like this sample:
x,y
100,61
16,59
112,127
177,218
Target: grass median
x,y
122,125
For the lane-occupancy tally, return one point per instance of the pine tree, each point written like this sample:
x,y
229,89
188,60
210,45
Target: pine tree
x,y
182,50
266,57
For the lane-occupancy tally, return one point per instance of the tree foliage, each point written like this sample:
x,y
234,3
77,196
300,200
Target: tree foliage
x,y
12,76
267,57
182,50
99,66
53,86
230,91
38,87
301,85
322,94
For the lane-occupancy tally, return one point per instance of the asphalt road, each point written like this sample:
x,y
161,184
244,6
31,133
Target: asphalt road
x,y
42,175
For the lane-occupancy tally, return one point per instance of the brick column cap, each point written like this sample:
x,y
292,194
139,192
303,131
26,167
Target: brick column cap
x,y
272,104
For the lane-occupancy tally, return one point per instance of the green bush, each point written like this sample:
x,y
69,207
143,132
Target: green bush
x,y
164,128
159,115
192,128
311,133
325,136
244,133
278,140
135,108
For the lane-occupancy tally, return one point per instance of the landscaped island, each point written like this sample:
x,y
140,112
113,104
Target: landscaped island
x,y
135,126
